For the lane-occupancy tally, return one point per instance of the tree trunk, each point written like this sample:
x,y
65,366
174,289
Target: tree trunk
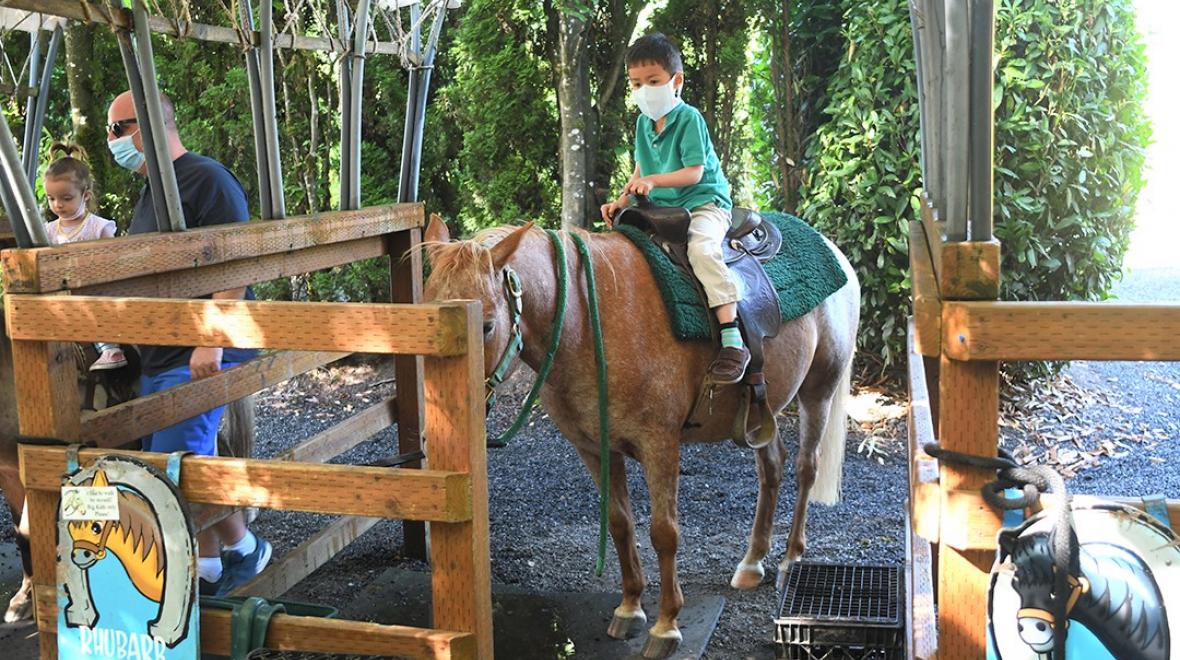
x,y
573,97
787,125
87,112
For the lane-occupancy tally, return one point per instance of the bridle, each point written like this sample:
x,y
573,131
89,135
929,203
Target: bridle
x,y
513,292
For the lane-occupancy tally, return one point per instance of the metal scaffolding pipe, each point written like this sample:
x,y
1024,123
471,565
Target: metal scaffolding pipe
x,y
155,114
135,85
918,28
29,144
246,12
956,109
416,112
357,79
983,121
19,201
270,128
342,13
37,119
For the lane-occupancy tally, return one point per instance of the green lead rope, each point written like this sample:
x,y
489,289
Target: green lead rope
x,y
554,341
603,401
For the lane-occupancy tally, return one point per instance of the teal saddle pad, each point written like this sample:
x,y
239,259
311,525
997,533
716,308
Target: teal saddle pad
x,y
804,273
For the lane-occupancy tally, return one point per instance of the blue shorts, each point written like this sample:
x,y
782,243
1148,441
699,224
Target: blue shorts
x,y
196,434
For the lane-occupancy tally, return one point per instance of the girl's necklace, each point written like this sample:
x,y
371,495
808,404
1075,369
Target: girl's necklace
x,y
68,234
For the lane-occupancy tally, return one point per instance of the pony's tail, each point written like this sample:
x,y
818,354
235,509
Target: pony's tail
x,y
830,474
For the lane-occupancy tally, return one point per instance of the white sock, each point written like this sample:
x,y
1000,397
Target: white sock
x,y
245,546
209,568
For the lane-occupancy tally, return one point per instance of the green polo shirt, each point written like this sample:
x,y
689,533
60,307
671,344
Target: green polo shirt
x,y
683,143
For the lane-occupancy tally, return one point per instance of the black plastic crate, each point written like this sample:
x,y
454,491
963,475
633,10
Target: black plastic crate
x,y
841,612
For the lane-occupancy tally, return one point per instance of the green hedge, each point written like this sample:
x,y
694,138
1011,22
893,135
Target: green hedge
x,y
1071,136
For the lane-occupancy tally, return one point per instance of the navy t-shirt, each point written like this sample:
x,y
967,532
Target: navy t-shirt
x,y
210,195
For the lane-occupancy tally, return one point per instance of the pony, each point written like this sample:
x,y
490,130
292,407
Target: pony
x,y
134,539
653,382
235,438
1112,593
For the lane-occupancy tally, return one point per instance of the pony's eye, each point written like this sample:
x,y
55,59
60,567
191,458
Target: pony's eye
x,y
96,528
488,326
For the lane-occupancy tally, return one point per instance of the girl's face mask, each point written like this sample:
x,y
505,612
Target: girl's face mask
x,y
655,101
125,153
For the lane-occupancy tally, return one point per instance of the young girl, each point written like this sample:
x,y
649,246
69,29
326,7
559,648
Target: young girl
x,y
69,190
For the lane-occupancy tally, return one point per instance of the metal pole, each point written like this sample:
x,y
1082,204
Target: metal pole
x,y
37,119
28,146
266,212
420,89
135,85
955,93
151,97
917,28
360,33
982,119
266,82
19,201
342,12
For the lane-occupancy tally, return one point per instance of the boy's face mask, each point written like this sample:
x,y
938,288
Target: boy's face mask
x,y
656,101
125,153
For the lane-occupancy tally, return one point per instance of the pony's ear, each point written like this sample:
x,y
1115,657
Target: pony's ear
x,y
436,230
100,479
503,251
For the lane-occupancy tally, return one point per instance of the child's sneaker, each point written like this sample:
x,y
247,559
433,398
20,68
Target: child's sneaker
x,y
730,366
238,569
111,358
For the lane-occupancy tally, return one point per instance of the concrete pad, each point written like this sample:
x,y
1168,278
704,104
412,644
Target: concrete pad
x,y
545,626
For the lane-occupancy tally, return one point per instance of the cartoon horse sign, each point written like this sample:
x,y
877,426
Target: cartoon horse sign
x,y
126,565
1123,587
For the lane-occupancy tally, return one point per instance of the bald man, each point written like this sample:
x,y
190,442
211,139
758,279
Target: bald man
x,y
230,554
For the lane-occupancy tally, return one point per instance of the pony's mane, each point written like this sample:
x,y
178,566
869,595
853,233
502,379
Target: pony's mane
x,y
138,525
449,261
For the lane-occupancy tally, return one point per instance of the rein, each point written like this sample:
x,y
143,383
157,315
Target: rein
x,y
513,292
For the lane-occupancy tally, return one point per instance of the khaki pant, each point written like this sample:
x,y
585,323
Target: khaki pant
x,y
705,233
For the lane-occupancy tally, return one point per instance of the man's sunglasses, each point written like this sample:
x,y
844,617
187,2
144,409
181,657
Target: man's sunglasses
x,y
116,128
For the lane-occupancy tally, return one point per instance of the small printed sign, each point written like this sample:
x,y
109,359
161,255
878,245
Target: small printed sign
x,y
89,503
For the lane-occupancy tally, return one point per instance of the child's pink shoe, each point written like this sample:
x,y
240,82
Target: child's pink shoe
x,y
111,358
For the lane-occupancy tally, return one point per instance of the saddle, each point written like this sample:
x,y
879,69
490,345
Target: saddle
x,y
749,243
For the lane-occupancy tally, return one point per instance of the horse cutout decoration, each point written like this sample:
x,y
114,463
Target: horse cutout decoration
x,y
126,575
653,381
1123,586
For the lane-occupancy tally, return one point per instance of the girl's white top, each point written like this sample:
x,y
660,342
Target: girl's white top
x,y
91,229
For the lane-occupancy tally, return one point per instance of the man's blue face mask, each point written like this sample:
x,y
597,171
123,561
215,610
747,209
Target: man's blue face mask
x,y
125,153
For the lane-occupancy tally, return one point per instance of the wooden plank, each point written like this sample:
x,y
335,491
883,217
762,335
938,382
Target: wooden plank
x,y
1060,331
194,283
970,270
405,286
969,411
434,328
301,562
461,575
311,634
924,290
42,507
348,490
87,12
43,270
932,225
341,437
139,417
925,498
46,377
922,631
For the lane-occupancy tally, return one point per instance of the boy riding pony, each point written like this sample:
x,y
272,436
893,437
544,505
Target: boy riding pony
x,y
676,165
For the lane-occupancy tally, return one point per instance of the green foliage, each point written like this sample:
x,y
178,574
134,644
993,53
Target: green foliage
x,y
503,102
1070,144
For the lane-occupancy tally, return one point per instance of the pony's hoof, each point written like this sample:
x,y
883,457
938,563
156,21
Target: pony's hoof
x,y
662,646
624,625
747,576
20,608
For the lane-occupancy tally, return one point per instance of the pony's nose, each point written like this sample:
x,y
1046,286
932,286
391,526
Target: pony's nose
x,y
81,556
1037,633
